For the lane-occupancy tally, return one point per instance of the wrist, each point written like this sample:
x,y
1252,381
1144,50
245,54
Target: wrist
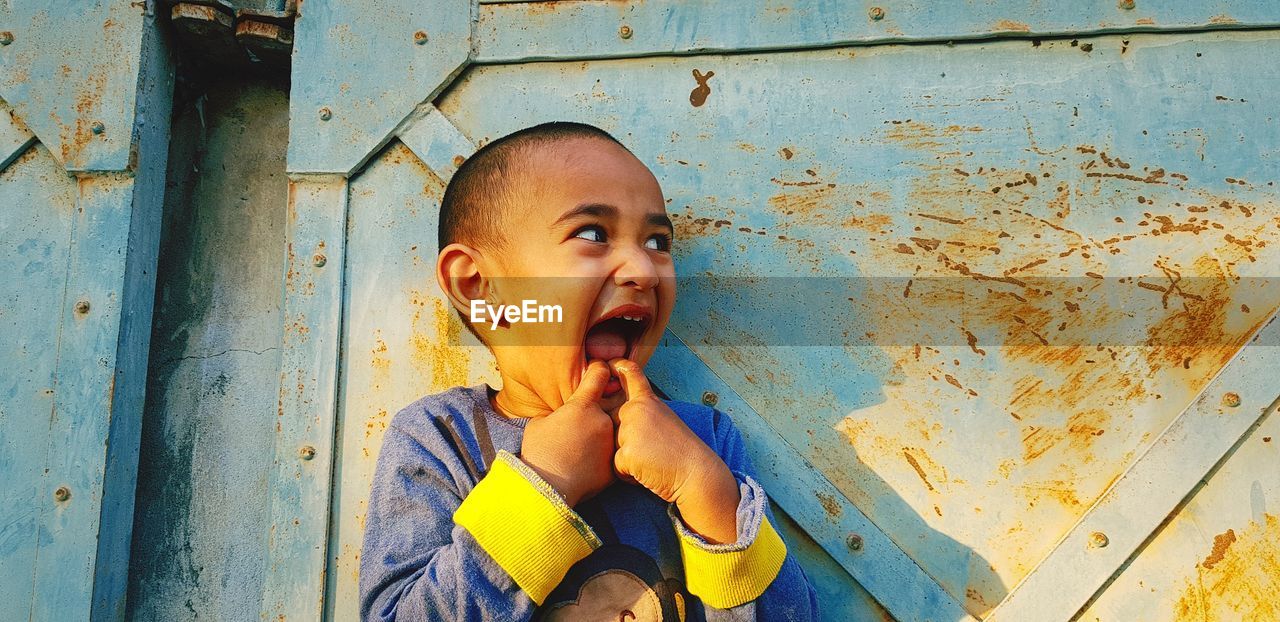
x,y
708,503
559,485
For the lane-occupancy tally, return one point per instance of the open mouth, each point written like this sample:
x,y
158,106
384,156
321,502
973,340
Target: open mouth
x,y
616,334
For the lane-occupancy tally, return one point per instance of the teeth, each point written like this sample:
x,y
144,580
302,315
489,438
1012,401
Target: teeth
x,y
633,319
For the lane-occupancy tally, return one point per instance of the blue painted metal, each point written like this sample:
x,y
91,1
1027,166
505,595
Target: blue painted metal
x,y
436,142
72,65
908,161
87,286
299,482
368,71
521,31
14,137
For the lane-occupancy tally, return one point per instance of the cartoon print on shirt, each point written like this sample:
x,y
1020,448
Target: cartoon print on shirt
x,y
615,583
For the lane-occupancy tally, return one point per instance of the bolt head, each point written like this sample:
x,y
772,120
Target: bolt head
x,y
82,307
709,398
854,542
876,13
1231,399
62,494
458,160
306,452
625,32
1126,4
6,37
326,114
420,37
1098,539
320,260
98,127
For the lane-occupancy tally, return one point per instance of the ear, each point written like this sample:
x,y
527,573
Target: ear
x,y
459,275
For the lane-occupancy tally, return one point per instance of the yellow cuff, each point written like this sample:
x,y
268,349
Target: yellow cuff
x,y
725,576
522,523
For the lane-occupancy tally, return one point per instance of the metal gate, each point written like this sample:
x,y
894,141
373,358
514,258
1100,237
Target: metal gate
x,y
987,286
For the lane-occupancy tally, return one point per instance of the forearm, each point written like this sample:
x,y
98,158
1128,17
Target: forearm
x,y
708,503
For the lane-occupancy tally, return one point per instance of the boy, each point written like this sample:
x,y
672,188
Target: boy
x,y
574,492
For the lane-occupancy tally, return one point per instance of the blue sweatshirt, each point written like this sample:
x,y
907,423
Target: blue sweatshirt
x,y
459,528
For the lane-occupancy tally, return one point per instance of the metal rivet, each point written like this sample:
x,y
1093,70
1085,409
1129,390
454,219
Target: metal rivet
x,y
709,398
458,160
1098,539
624,32
1126,4
320,260
876,13
98,127
6,37
326,114
854,541
307,452
1231,399
82,307
62,494
420,37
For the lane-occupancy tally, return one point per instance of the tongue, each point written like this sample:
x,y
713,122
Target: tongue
x,y
605,345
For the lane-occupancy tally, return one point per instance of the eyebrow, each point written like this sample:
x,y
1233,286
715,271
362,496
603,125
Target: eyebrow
x,y
604,210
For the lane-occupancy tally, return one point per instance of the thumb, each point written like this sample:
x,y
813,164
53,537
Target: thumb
x,y
634,382
594,381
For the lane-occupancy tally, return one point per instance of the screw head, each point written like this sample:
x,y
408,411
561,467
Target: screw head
x,y
326,114
1231,399
62,494
1098,539
854,541
1126,4
458,160
876,13
6,37
306,452
420,37
709,398
319,260
624,32
97,127
82,307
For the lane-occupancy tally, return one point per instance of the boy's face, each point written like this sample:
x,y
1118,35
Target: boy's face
x,y
587,230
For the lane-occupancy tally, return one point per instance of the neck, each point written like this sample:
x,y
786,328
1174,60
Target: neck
x,y
516,401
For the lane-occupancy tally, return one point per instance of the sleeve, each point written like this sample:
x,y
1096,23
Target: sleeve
x,y
430,553
754,578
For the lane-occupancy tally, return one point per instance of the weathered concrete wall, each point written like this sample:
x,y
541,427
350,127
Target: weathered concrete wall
x,y
200,532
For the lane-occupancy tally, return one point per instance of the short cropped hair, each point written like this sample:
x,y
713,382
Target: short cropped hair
x,y
478,196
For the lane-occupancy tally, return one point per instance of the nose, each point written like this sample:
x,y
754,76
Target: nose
x,y
637,270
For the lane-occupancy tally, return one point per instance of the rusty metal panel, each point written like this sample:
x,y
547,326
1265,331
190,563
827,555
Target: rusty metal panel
x,y
1218,556
521,31
71,72
358,74
92,86
1103,170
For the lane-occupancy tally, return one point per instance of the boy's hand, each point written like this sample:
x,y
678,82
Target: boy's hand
x,y
572,448
658,451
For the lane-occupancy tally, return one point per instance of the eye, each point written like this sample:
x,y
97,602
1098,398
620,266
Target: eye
x,y
591,233
658,242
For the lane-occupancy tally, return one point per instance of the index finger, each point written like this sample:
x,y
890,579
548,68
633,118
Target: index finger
x,y
634,382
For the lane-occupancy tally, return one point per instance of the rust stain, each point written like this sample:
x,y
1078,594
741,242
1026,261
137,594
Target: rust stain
x,y
698,96
436,351
1238,579
919,471
830,505
1010,25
